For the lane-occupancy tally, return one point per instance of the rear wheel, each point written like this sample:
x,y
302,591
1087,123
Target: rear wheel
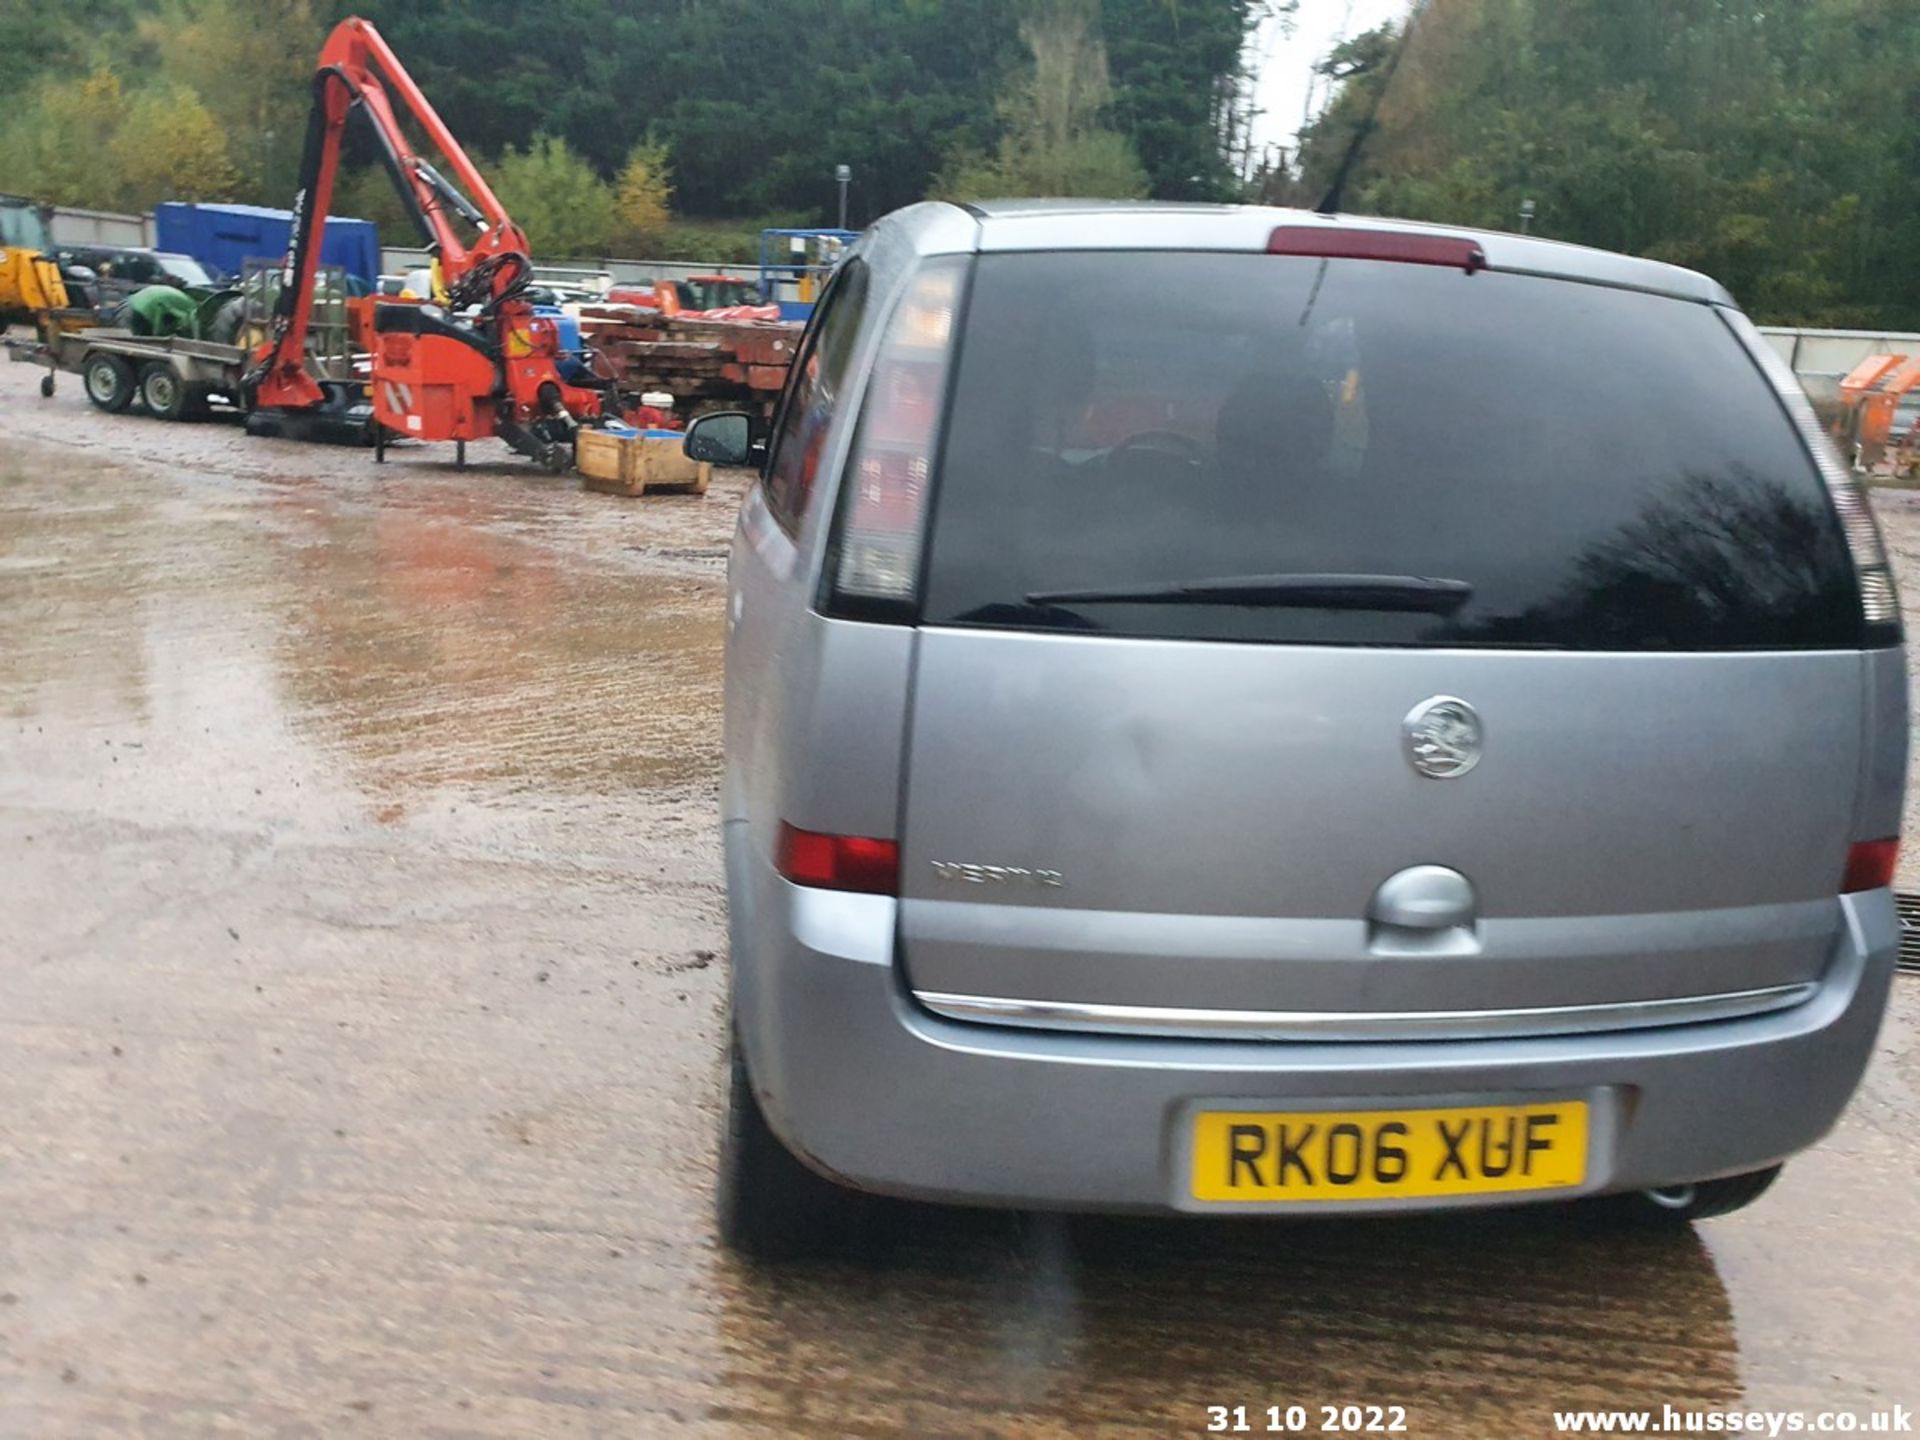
x,y
771,1206
108,381
1672,1205
163,391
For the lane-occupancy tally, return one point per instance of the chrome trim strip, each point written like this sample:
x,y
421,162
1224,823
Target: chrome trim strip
x,y
1185,1023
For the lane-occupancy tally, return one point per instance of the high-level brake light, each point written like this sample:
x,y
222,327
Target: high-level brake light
x,y
1340,242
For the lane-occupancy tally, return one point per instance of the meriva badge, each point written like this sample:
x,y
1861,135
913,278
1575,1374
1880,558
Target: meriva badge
x,y
970,874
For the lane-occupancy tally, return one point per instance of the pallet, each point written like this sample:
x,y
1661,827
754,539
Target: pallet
x,y
638,465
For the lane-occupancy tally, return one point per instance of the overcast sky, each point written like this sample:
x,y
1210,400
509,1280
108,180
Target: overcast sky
x,y
1285,62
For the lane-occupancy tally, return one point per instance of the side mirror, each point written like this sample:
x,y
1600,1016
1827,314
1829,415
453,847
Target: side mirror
x,y
723,438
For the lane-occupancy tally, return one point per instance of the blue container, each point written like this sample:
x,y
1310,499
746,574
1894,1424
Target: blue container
x,y
573,365
225,237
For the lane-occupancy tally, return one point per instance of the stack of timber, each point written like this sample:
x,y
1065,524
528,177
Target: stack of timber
x,y
704,364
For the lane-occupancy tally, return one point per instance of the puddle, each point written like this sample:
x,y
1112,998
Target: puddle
x,y
393,650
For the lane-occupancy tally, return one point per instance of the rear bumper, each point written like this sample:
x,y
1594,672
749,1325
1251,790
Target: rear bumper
x,y
872,1089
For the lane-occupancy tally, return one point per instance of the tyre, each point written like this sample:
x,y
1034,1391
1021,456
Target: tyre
x,y
108,381
1674,1205
162,391
770,1205
224,324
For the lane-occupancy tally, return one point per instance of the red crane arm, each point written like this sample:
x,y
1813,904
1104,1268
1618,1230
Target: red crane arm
x,y
358,51
358,69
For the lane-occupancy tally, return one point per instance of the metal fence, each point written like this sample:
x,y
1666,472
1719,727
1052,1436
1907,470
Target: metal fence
x,y
399,259
1822,358
73,226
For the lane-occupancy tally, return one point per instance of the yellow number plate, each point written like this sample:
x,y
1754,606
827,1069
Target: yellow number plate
x,y
1332,1155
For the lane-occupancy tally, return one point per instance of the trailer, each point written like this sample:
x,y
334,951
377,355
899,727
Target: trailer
x,y
180,377
172,377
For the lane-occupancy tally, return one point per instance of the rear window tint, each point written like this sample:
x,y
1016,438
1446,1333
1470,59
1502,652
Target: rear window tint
x,y
1600,468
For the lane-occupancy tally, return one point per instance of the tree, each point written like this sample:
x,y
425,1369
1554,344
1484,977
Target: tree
x,y
565,208
38,39
1054,142
1097,163
252,63
1769,145
170,148
643,199
366,193
1181,88
892,88
61,143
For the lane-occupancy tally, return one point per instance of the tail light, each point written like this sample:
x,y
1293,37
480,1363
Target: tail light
x,y
1879,604
873,569
1870,865
837,862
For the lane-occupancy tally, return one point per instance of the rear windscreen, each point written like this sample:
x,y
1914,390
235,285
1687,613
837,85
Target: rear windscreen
x,y
1574,466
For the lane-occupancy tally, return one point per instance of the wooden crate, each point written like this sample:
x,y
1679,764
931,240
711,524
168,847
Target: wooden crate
x,y
637,464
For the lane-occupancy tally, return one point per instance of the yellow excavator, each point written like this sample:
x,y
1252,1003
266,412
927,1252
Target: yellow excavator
x,y
30,282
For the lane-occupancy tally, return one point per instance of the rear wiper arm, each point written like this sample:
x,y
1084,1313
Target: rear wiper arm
x,y
1416,593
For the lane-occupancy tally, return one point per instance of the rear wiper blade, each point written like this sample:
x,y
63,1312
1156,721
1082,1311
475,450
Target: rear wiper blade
x,y
1416,593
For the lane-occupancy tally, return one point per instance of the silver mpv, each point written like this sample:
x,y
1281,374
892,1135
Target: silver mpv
x,y
1240,711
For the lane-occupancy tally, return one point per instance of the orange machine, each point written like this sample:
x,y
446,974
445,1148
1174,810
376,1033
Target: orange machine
x,y
1869,427
696,296
484,364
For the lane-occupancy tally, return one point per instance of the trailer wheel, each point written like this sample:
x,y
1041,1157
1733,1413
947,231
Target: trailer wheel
x,y
108,381
46,386
163,391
